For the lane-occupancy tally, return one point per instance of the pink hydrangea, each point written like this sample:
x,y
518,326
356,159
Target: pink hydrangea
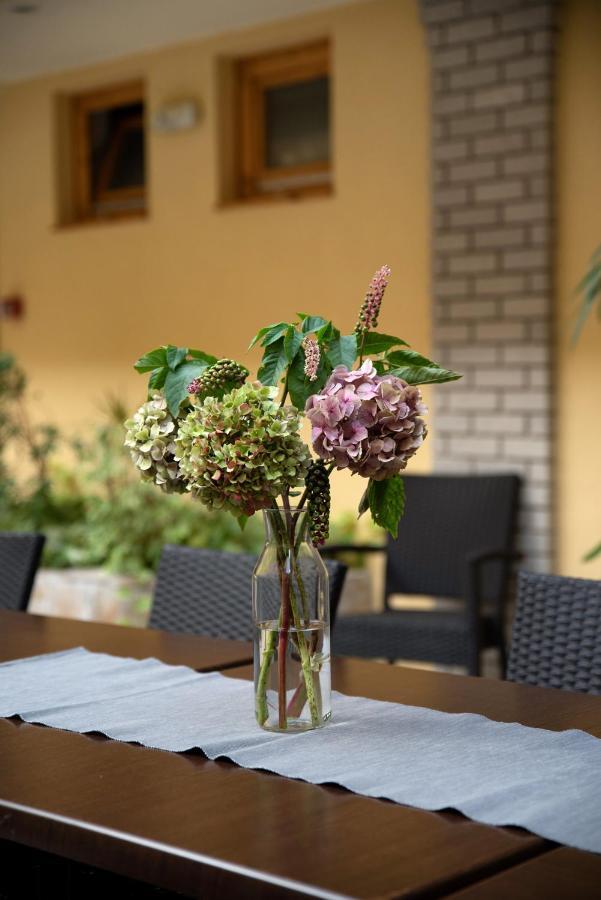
x,y
365,422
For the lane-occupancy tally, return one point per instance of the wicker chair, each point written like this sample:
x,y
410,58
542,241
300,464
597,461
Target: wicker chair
x,y
19,558
209,592
455,541
556,639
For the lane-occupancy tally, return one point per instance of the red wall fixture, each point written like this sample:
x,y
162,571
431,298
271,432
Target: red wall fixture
x,y
11,307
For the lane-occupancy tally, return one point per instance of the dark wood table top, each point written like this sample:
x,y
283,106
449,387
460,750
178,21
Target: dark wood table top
x,y
561,874
23,634
211,829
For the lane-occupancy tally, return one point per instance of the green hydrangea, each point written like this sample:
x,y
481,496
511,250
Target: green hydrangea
x,y
150,436
239,453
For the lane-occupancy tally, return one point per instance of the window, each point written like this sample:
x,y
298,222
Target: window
x,y
284,123
108,153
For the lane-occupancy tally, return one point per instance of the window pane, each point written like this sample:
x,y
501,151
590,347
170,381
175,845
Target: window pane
x,y
117,148
297,120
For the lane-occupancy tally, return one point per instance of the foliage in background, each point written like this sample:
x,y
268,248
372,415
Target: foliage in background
x,y
86,498
590,290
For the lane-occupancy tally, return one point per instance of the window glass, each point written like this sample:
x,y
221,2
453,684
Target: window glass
x,y
297,123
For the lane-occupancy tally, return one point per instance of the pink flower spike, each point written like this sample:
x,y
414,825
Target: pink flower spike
x,y
312,357
370,310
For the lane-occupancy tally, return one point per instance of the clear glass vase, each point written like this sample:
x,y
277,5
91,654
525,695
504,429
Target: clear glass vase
x,y
291,614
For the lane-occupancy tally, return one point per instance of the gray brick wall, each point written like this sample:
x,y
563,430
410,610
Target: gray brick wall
x,y
492,93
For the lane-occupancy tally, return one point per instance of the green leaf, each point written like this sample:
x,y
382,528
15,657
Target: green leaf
x,y
327,333
175,355
342,351
292,342
374,343
202,356
154,359
276,333
299,386
311,323
590,289
274,363
242,520
387,503
176,383
157,378
269,334
416,369
593,554
363,503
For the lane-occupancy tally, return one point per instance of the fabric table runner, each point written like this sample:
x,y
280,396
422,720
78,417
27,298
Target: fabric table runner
x,y
494,772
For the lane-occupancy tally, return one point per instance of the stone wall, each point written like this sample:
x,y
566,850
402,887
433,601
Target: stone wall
x,y
492,154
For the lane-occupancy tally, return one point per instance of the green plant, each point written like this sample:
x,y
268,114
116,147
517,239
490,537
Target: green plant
x,y
89,503
590,290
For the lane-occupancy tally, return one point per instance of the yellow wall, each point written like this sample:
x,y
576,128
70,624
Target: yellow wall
x,y
578,412
194,273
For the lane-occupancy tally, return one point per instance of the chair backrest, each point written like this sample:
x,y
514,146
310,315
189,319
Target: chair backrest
x,y
209,592
556,638
19,558
447,518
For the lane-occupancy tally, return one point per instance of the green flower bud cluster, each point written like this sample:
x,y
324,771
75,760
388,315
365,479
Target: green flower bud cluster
x,y
150,436
239,453
317,482
222,376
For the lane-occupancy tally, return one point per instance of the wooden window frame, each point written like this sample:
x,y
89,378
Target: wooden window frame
x,y
255,74
82,201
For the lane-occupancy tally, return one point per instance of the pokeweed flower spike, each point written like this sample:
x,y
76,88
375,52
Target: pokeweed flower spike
x,y
223,375
318,494
370,309
312,357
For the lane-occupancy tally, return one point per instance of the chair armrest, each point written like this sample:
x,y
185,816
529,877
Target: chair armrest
x,y
482,556
473,587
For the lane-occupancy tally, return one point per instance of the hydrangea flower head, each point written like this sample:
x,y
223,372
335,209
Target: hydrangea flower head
x,y
365,422
240,452
150,436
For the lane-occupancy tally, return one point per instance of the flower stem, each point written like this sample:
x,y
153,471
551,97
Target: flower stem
x,y
361,348
266,660
282,649
285,394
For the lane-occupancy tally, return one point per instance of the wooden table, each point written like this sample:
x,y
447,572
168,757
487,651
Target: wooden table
x,y
561,874
211,829
23,634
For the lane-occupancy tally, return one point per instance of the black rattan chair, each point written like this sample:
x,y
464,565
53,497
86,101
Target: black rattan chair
x,y
209,592
456,540
19,559
556,638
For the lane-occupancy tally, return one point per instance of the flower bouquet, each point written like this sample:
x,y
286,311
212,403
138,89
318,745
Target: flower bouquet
x,y
235,444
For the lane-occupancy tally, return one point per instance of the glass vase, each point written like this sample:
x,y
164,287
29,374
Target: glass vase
x,y
291,615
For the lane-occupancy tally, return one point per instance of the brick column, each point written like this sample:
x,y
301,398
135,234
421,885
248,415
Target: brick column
x,y
492,67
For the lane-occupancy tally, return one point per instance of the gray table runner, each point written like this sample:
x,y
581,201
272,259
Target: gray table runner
x,y
493,772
